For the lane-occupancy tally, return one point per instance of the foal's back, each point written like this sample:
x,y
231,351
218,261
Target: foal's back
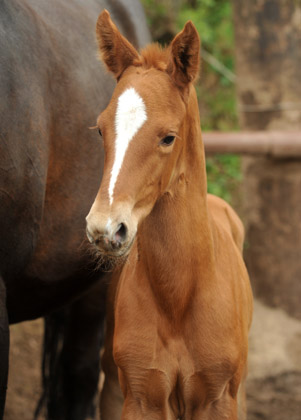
x,y
225,218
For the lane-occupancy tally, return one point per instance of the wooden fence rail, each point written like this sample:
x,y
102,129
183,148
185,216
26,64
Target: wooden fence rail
x,y
278,144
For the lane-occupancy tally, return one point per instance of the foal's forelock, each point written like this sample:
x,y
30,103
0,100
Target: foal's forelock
x,y
130,116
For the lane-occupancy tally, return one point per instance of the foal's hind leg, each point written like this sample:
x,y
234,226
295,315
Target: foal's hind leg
x,y
4,347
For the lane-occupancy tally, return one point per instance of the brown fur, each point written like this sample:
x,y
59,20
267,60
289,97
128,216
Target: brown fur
x,y
52,87
154,56
115,50
181,306
118,54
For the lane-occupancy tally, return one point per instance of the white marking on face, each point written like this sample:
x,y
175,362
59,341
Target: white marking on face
x,y
130,116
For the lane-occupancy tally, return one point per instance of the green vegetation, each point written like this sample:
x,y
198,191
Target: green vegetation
x,y
217,96
213,20
224,177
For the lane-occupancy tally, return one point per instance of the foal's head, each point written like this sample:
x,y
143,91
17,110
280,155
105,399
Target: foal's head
x,y
142,131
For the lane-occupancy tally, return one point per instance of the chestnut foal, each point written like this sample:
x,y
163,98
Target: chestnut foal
x,y
181,305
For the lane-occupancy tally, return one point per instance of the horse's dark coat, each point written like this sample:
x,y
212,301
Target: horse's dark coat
x,y
51,86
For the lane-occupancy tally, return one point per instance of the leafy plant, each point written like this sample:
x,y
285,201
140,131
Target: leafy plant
x,y
224,177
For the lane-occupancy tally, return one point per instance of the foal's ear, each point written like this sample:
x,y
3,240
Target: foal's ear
x,y
116,51
185,56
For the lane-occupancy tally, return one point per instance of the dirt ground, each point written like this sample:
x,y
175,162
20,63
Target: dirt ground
x,y
24,384
274,384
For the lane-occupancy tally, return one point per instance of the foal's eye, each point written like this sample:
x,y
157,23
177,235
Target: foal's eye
x,y
168,140
100,133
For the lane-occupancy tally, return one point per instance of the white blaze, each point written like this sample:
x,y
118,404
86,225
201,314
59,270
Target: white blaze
x,y
130,116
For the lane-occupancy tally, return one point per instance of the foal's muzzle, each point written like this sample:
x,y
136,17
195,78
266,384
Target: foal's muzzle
x,y
110,238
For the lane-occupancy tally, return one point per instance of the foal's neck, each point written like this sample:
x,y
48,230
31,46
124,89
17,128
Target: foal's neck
x,y
175,240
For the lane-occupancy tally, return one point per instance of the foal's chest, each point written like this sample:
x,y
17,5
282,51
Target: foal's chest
x,y
177,374
194,368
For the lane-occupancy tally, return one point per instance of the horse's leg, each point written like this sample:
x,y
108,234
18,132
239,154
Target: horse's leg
x,y
81,353
111,400
72,342
4,347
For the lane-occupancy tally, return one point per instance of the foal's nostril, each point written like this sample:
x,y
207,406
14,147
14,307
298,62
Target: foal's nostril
x,y
120,235
108,240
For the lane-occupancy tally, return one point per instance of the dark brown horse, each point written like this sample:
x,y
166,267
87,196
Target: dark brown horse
x,y
51,86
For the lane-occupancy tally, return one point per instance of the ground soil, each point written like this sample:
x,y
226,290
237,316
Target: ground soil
x,y
24,384
274,384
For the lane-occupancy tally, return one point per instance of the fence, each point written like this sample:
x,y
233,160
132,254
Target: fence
x,y
277,144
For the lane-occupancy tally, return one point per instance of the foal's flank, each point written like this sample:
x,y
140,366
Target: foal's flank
x,y
180,308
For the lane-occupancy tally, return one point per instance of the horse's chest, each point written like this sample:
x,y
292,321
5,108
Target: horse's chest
x,y
170,377
175,371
